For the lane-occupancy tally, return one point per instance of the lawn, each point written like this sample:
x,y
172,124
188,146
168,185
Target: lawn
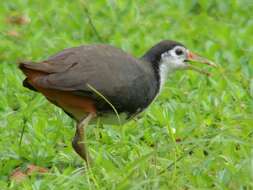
x,y
197,135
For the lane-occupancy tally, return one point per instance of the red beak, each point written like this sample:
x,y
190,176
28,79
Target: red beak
x,y
192,57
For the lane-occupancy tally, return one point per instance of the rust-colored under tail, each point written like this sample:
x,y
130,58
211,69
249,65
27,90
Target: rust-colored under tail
x,y
76,106
30,73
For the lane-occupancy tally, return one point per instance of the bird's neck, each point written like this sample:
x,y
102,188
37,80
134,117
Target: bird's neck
x,y
160,70
154,63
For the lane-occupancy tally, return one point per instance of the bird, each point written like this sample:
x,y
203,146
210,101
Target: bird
x,y
100,81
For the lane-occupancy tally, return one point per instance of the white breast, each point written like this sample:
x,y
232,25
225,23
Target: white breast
x,y
164,70
112,119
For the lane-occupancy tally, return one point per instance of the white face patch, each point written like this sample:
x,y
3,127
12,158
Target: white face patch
x,y
172,60
175,58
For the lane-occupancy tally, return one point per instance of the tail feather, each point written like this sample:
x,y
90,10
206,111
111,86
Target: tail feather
x,y
31,74
24,67
28,85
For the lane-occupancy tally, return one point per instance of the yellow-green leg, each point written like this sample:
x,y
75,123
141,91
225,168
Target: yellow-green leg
x,y
79,140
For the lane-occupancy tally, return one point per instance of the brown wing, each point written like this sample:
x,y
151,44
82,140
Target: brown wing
x,y
128,84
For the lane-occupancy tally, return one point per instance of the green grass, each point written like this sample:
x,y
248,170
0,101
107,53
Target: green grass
x,y
197,135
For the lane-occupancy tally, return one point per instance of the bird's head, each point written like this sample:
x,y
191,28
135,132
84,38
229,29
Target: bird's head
x,y
174,56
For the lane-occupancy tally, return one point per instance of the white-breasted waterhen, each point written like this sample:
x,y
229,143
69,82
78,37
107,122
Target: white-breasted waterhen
x,y
95,81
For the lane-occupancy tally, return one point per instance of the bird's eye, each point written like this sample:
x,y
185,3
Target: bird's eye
x,y
179,51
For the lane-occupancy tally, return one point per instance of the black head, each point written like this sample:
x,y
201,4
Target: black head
x,y
172,55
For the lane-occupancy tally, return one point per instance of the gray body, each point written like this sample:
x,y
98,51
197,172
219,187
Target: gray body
x,y
129,84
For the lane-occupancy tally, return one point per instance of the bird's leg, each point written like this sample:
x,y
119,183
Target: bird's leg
x,y
78,142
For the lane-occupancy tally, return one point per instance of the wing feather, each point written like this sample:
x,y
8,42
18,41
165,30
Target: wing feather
x,y
112,72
